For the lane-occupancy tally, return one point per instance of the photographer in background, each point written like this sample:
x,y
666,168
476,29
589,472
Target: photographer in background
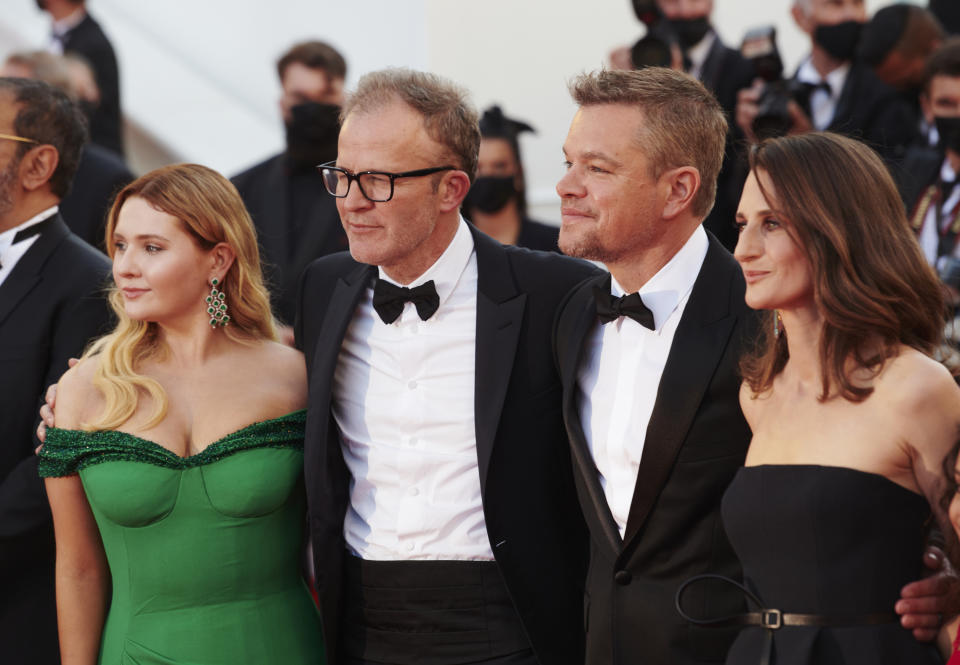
x,y
844,95
928,183
680,35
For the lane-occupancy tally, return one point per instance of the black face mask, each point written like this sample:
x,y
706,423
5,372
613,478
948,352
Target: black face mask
x,y
490,193
949,131
839,40
312,134
690,31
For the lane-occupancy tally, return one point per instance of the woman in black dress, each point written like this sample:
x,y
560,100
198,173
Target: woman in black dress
x,y
851,411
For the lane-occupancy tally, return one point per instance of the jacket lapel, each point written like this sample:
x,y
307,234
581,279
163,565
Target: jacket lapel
x,y
577,319
697,348
28,272
499,319
339,313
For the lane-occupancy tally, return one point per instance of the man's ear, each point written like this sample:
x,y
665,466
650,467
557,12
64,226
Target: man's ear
x,y
680,186
453,189
37,166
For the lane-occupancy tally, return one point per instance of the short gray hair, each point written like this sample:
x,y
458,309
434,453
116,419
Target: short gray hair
x,y
448,115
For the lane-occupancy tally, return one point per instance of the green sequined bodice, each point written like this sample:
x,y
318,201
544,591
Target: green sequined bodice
x,y
205,550
68,451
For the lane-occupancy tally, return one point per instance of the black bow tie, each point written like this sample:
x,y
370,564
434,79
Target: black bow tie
x,y
389,299
610,307
30,231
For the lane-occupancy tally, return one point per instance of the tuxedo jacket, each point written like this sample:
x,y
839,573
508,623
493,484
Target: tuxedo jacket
x,y
870,110
533,521
87,40
696,440
51,304
289,239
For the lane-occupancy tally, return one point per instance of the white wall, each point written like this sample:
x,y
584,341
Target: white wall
x,y
198,76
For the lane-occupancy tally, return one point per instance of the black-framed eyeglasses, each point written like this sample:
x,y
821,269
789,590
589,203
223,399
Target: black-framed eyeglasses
x,y
376,186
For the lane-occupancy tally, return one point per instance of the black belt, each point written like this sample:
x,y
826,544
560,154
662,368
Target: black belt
x,y
774,619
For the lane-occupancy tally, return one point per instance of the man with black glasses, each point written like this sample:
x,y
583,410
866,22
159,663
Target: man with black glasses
x,y
443,515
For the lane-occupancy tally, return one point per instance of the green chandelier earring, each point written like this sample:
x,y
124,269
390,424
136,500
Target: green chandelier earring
x,y
216,306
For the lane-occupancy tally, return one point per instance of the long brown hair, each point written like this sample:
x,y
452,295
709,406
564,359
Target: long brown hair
x,y
871,283
211,211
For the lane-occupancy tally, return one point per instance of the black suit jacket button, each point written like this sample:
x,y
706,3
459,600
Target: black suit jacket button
x,y
623,577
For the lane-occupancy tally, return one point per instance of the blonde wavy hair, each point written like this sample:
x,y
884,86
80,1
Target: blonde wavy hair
x,y
212,212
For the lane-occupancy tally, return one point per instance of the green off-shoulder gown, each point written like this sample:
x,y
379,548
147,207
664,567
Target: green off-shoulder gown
x,y
204,551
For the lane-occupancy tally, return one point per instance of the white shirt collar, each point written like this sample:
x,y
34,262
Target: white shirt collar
x,y
698,52
68,23
835,79
6,238
446,270
946,172
664,291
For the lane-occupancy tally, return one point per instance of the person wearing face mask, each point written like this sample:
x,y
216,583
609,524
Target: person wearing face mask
x,y
496,202
296,220
930,173
845,96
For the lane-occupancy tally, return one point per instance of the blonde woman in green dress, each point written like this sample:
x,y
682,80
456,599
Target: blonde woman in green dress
x,y
175,469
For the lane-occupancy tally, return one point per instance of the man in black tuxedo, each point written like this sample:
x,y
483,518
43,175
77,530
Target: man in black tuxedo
x,y
650,380
443,515
76,32
845,96
51,304
296,220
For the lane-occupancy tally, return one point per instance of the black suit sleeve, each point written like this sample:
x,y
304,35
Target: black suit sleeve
x,y
23,502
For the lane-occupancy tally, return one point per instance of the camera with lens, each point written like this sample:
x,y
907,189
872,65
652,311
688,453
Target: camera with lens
x,y
654,49
773,115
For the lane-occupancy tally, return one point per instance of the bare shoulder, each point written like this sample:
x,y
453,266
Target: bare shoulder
x,y
286,373
913,380
77,397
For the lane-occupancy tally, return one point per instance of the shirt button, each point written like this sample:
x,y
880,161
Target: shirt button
x,y
409,547
412,441
414,491
412,385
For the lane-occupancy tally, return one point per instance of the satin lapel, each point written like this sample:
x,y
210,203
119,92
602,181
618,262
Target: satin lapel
x,y
339,313
500,308
28,272
697,348
581,311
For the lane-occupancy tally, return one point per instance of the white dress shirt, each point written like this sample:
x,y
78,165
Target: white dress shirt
x,y
823,105
618,380
697,54
10,253
60,28
929,234
403,397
